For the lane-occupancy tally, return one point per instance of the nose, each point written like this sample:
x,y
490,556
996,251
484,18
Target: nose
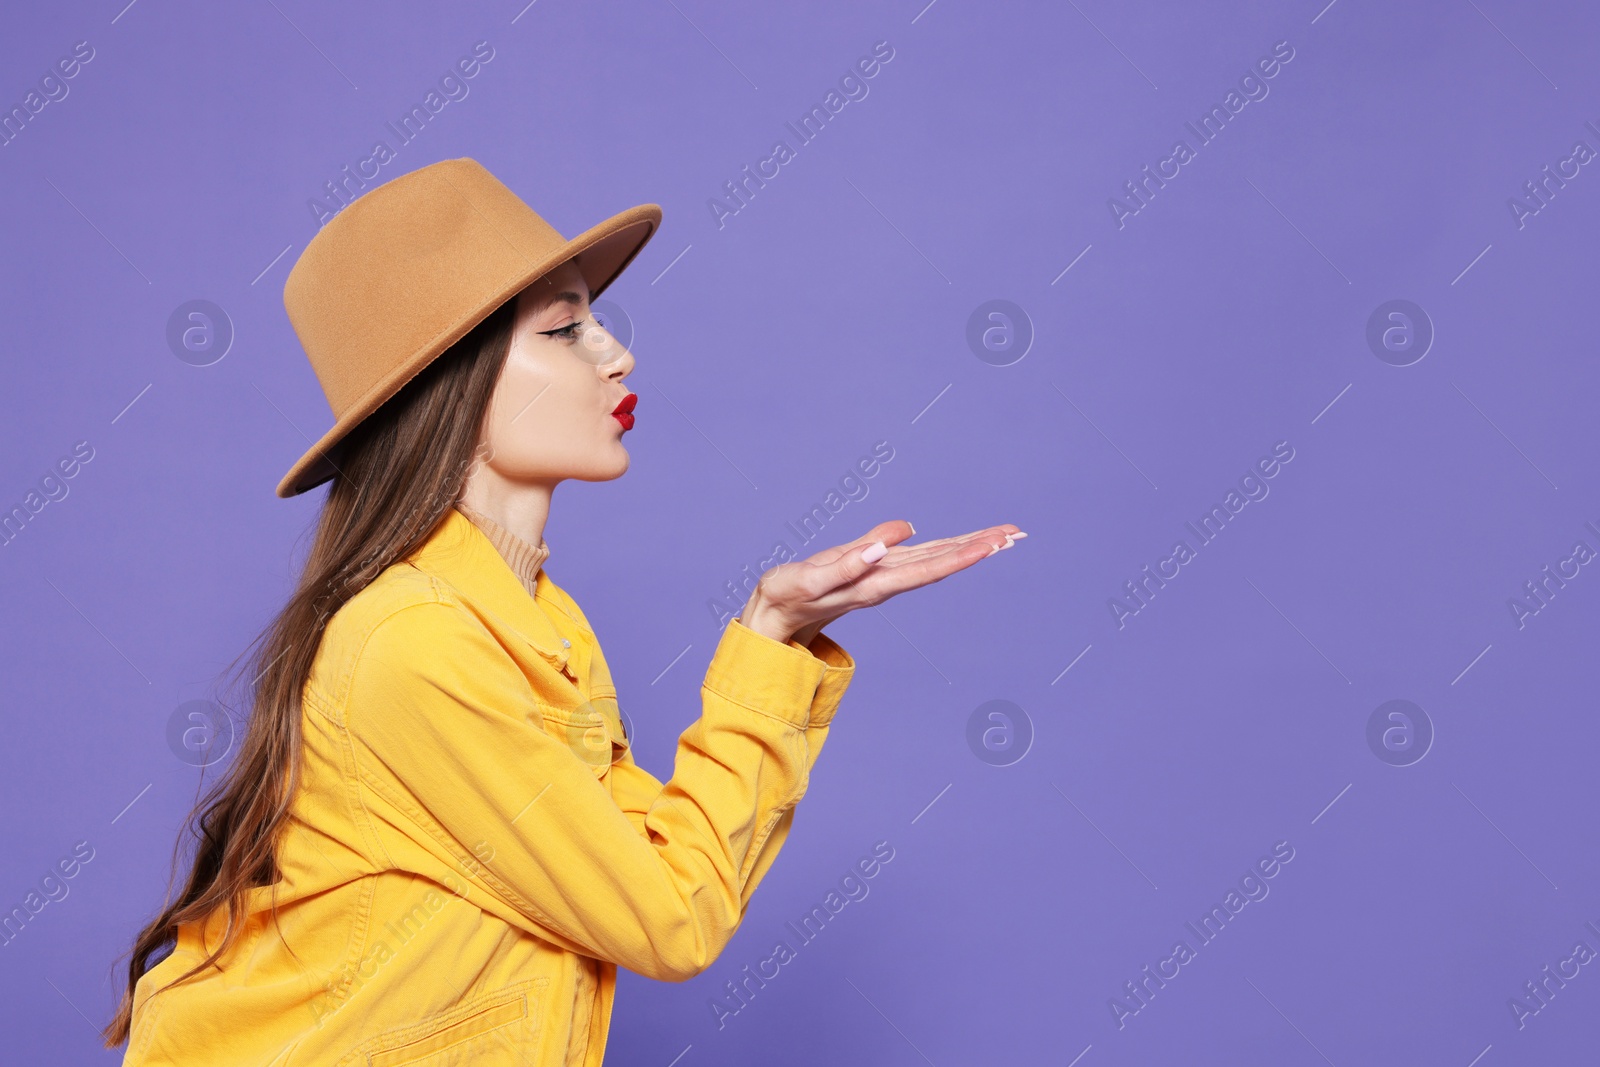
x,y
608,355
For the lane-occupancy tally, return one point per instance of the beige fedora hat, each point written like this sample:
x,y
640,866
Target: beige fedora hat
x,y
408,268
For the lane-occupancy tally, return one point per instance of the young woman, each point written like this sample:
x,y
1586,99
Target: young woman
x,y
434,845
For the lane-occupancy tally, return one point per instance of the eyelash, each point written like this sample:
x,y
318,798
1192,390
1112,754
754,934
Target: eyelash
x,y
566,332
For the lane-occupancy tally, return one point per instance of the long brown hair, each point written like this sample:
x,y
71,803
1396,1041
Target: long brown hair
x,y
398,472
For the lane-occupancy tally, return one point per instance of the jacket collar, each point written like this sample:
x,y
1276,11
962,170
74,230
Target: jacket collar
x,y
459,553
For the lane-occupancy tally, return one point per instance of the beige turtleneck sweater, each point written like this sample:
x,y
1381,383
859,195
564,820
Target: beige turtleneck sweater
x,y
524,559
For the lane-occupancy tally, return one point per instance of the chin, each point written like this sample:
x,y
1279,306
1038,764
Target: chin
x,y
615,468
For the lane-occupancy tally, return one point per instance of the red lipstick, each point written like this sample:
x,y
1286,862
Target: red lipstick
x,y
624,411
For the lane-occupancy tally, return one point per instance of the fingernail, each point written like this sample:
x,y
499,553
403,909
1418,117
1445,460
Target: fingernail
x,y
913,528
874,552
1009,541
1019,535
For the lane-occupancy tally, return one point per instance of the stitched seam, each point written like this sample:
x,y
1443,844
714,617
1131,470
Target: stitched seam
x,y
315,700
147,1023
350,783
759,843
765,714
393,1037
568,717
367,824
580,623
410,1033
361,929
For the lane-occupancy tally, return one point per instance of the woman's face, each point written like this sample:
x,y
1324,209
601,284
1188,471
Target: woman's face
x,y
551,417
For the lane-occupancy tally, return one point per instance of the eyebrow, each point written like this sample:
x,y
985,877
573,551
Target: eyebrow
x,y
567,297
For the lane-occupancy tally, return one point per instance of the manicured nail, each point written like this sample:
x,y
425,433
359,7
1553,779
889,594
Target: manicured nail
x,y
1009,541
1019,535
874,552
913,528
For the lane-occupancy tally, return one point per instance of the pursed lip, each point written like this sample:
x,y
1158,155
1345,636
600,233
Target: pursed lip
x,y
623,412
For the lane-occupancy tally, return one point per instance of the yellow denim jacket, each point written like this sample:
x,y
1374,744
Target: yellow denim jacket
x,y
473,850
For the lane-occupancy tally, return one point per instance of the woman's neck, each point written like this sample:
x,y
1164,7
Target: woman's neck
x,y
520,508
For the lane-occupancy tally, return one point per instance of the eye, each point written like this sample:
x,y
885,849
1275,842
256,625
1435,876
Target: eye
x,y
566,333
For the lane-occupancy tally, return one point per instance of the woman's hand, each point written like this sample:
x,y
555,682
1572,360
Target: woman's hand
x,y
796,600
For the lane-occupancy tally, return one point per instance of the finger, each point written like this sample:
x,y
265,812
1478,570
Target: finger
x,y
866,584
980,544
1004,529
880,582
852,562
893,537
842,566
890,533
994,534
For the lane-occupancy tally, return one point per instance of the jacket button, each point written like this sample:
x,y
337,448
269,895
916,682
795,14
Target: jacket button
x,y
565,643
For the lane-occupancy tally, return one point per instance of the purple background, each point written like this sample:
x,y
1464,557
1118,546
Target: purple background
x,y
829,314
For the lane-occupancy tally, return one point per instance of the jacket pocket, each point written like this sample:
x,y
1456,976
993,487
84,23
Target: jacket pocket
x,y
592,731
494,1028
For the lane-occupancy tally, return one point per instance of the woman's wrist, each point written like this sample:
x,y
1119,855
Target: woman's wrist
x,y
763,619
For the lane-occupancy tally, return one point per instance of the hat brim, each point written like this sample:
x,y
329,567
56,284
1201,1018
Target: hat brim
x,y
607,249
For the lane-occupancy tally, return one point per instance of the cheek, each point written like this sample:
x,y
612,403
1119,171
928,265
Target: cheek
x,y
563,424
524,401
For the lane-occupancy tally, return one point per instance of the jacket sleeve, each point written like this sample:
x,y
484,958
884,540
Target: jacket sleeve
x,y
447,736
637,792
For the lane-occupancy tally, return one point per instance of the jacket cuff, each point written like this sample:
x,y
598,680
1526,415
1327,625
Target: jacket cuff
x,y
766,676
837,672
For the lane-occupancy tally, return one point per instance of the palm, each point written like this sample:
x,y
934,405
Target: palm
x,y
809,592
